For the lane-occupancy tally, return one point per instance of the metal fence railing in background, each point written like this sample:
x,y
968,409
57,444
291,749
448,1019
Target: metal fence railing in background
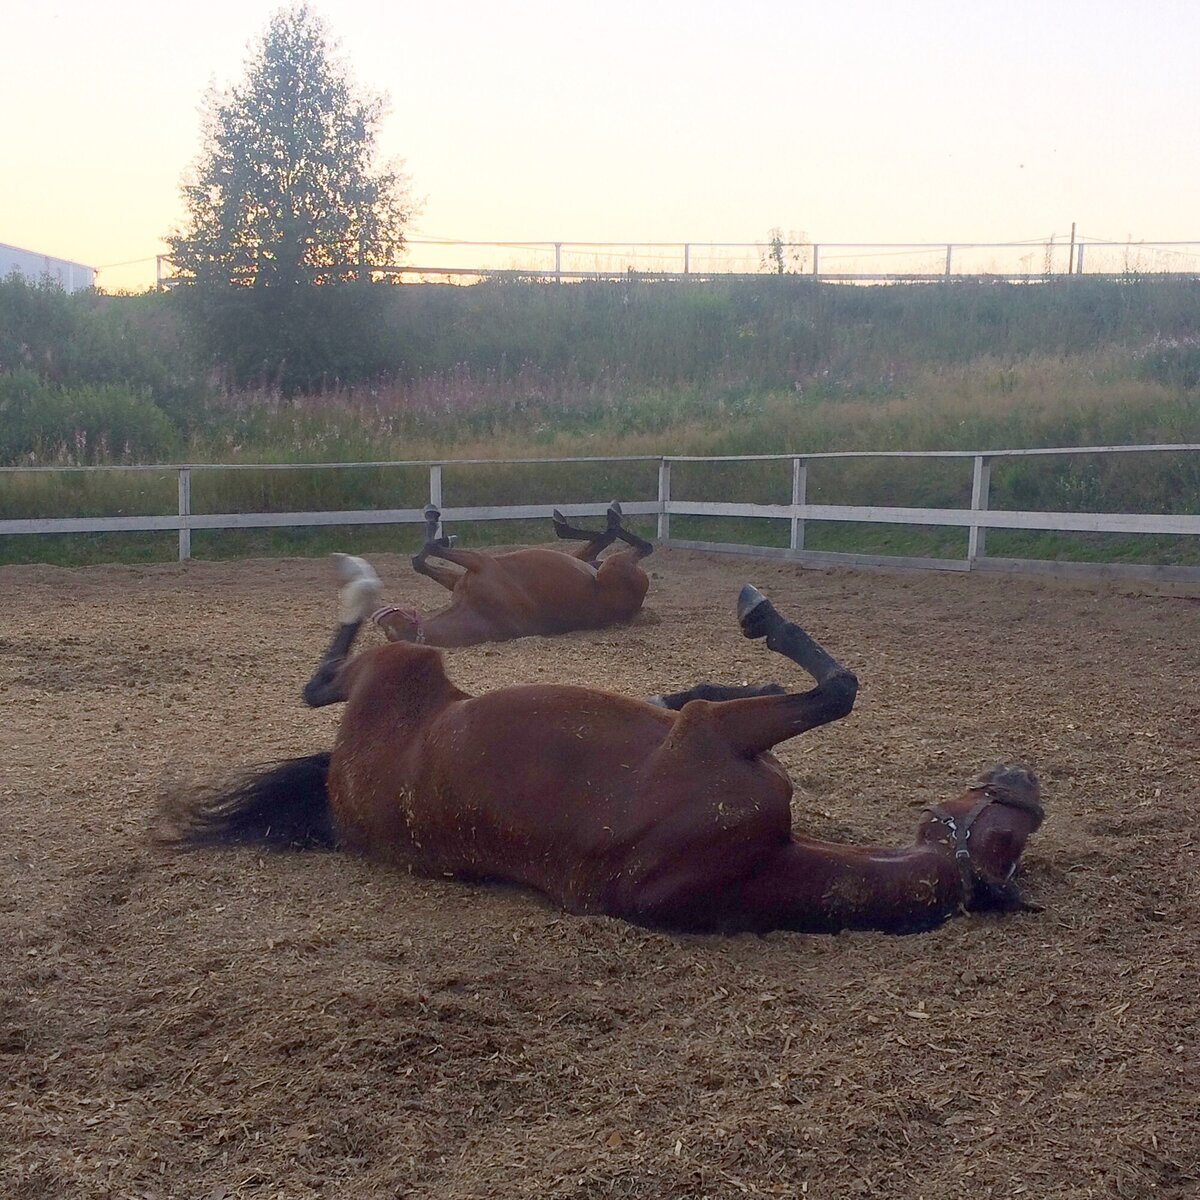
x,y
851,262
790,514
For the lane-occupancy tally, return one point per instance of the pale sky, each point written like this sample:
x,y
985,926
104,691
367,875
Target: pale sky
x,y
848,120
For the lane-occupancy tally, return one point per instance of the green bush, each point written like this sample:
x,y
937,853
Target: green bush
x,y
87,338
1172,361
89,424
293,339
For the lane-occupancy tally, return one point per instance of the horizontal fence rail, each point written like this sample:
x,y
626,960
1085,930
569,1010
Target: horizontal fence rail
x,y
1056,256
976,520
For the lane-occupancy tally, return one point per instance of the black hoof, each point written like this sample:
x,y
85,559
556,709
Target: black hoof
x,y
431,513
755,612
558,518
614,515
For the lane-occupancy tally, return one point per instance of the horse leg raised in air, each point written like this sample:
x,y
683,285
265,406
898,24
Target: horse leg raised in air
x,y
676,819
596,542
520,592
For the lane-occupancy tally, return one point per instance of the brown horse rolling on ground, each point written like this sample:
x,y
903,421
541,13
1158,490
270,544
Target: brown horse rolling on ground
x,y
673,815
521,592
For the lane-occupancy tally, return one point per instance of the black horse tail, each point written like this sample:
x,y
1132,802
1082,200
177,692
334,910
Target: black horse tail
x,y
281,804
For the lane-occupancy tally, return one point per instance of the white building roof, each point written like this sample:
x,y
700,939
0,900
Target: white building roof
x,y
70,276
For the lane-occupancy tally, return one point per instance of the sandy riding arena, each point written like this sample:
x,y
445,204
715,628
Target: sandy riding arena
x,y
228,1023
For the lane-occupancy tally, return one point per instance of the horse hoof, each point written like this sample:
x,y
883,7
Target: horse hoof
x,y
558,518
753,610
614,515
431,513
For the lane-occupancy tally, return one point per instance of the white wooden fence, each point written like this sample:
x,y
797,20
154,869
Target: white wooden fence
x,y
464,260
977,519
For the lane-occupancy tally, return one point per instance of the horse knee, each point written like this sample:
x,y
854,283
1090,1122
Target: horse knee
x,y
839,692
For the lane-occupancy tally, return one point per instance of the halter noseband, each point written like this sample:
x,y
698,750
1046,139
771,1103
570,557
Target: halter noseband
x,y
410,614
992,793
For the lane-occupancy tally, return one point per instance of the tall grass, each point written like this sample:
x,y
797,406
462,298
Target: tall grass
x,y
771,365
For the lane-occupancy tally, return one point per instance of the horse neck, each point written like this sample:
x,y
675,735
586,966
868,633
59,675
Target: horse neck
x,y
826,886
456,625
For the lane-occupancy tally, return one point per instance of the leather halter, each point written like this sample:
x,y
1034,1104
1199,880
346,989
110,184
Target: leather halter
x,y
960,827
410,614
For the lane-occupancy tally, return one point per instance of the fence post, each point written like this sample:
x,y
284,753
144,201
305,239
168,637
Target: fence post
x,y
816,260
1079,258
664,498
799,498
980,486
949,251
687,259
435,485
185,514
558,262
435,490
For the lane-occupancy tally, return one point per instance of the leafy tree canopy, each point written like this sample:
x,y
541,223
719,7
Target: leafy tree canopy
x,y
286,190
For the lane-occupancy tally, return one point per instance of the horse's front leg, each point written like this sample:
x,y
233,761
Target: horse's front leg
x,y
444,548
357,600
718,692
752,726
433,544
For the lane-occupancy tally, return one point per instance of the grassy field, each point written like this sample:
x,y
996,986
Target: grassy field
x,y
505,371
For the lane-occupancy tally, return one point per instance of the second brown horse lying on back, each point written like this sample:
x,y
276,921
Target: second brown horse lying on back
x,y
613,805
521,592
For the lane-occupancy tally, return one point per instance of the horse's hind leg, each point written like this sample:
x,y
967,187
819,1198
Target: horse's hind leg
x,y
594,543
358,599
754,725
640,546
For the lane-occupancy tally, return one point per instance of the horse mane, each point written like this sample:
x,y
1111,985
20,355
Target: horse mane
x,y
281,804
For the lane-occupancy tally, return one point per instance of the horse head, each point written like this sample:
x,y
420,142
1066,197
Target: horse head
x,y
988,826
399,624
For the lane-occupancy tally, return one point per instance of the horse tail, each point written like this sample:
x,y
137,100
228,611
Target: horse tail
x,y
281,804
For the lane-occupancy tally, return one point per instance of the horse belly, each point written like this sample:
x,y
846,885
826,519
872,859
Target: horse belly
x,y
538,792
731,814
539,592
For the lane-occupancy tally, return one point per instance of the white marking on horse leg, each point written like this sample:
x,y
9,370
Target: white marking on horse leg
x,y
359,599
350,567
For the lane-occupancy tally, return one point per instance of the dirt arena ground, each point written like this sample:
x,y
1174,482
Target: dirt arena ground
x,y
225,1023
